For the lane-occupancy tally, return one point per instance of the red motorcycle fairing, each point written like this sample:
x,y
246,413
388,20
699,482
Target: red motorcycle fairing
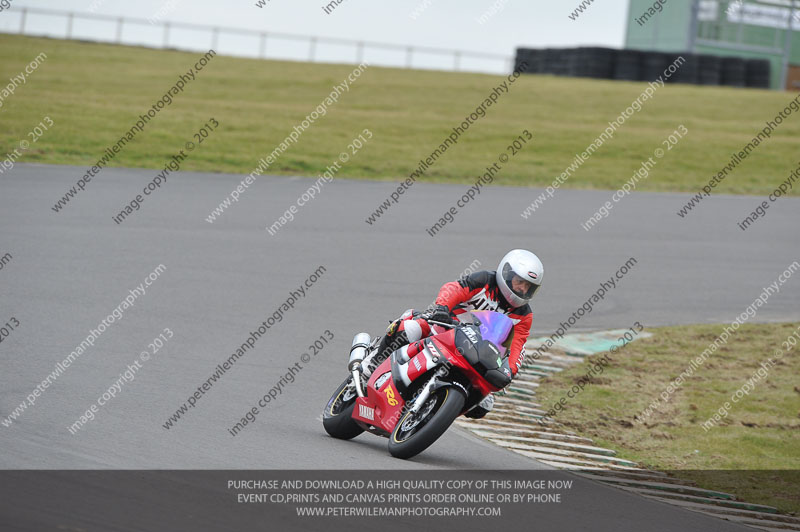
x,y
383,405
446,346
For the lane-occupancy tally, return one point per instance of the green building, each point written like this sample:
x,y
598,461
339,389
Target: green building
x,y
763,29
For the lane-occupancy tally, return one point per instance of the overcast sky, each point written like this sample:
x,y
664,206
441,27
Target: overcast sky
x,y
439,23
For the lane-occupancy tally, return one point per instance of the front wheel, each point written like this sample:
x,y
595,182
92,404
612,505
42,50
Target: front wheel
x,y
415,432
338,415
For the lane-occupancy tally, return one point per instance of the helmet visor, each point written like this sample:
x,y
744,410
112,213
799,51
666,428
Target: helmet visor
x,y
519,286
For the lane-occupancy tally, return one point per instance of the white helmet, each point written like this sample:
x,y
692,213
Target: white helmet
x,y
526,266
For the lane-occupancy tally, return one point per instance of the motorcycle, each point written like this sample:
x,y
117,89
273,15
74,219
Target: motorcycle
x,y
412,399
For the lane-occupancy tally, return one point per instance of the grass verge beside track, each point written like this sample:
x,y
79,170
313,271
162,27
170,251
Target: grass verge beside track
x,y
761,431
95,92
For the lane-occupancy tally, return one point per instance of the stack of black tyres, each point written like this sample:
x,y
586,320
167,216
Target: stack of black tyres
x,y
549,60
757,73
628,65
710,69
534,60
572,59
734,72
654,64
528,60
636,65
552,61
593,62
562,61
519,58
687,70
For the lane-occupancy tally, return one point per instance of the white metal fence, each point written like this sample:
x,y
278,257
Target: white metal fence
x,y
243,42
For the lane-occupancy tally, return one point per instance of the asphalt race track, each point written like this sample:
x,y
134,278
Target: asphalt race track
x,y
71,269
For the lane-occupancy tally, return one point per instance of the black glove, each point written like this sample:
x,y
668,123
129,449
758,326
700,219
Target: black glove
x,y
438,313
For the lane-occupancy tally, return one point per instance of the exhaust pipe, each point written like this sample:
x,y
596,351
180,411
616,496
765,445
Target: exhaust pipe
x,y
358,351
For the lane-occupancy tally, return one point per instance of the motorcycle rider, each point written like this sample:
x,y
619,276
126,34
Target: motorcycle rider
x,y
507,290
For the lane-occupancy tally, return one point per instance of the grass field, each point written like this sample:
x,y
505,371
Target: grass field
x,y
761,432
94,93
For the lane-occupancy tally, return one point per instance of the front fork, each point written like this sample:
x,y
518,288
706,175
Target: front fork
x,y
433,384
424,394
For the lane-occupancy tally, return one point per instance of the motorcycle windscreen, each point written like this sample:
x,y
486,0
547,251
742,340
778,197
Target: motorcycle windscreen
x,y
494,326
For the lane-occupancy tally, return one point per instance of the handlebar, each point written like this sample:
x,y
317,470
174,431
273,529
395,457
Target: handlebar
x,y
443,324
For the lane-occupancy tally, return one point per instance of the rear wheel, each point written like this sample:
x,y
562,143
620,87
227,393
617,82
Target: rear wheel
x,y
337,418
415,432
